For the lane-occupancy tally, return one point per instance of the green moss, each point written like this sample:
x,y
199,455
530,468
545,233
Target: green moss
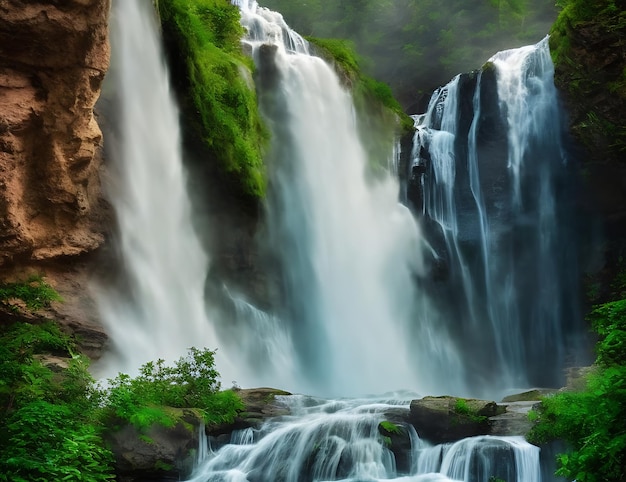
x,y
341,51
162,466
206,36
389,427
365,89
462,407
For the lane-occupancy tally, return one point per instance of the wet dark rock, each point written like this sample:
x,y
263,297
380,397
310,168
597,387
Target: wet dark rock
x,y
398,439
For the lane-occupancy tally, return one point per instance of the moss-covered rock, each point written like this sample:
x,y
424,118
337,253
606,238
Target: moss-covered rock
x,y
158,452
218,99
587,44
447,419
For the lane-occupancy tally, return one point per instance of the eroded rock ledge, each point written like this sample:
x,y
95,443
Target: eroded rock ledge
x,y
53,58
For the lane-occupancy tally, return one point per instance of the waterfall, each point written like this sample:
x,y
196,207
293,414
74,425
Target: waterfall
x,y
158,310
498,206
369,304
325,440
347,249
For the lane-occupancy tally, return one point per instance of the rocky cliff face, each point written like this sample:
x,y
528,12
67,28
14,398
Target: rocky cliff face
x,y
53,58
590,57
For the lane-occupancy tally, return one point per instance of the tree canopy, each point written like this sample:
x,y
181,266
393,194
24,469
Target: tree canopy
x,y
415,45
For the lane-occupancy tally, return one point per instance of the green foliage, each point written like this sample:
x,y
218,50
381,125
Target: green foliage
x,y
365,89
586,75
592,422
341,51
390,427
206,35
52,422
35,293
191,383
417,44
48,420
51,441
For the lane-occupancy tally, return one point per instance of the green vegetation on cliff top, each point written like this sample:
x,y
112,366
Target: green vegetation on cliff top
x,y
380,116
416,45
206,35
587,44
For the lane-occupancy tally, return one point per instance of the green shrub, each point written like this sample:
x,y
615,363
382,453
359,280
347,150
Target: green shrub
x,y
52,441
191,383
48,420
592,422
206,35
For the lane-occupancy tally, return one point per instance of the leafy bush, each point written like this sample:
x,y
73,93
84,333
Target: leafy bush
x,y
48,420
191,383
52,441
206,35
592,422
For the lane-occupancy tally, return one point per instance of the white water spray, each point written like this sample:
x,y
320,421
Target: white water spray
x,y
159,310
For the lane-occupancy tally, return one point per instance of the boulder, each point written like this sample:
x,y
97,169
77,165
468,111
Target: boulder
x,y
259,405
514,421
398,441
447,419
533,395
157,453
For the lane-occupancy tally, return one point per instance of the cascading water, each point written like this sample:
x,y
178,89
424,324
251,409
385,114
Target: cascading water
x,y
158,312
347,248
497,200
342,440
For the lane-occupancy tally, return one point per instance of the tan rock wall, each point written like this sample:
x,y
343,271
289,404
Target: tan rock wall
x,y
53,58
